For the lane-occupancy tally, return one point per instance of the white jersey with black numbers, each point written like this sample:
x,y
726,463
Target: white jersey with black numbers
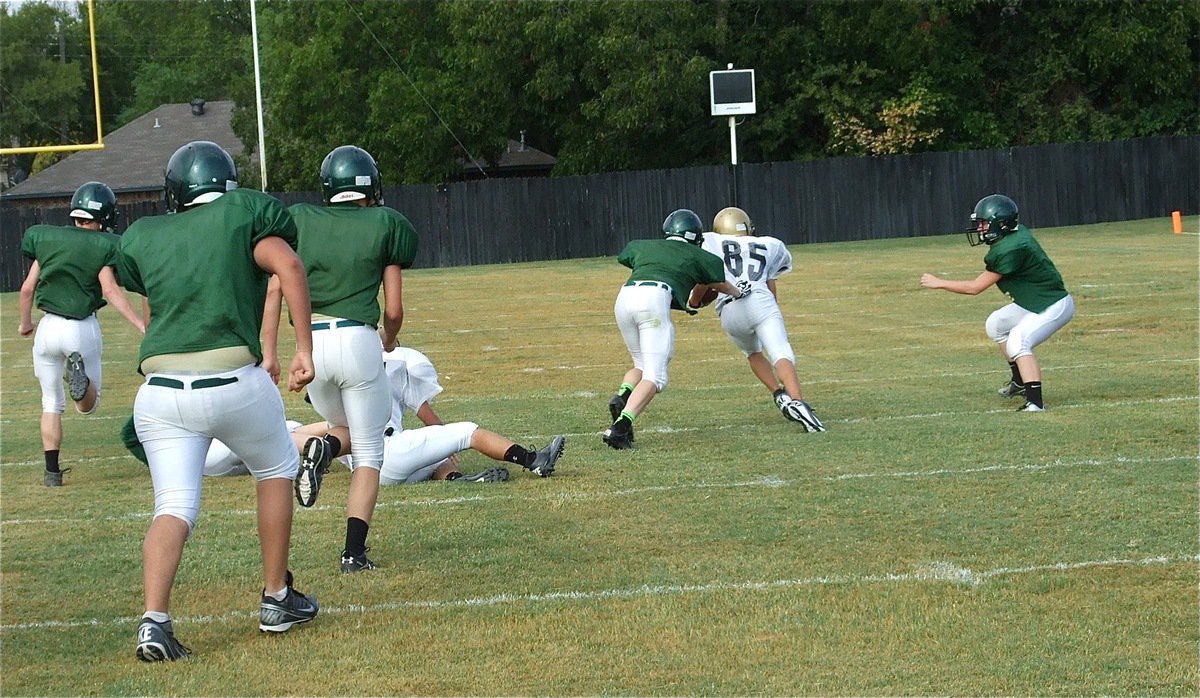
x,y
754,259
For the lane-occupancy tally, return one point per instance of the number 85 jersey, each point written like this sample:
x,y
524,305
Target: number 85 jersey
x,y
755,259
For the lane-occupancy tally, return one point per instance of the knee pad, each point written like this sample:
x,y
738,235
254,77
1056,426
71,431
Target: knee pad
x,y
993,329
660,383
1016,346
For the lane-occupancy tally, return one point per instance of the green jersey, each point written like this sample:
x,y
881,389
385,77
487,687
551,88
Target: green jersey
x,y
1026,273
197,271
344,249
679,265
69,262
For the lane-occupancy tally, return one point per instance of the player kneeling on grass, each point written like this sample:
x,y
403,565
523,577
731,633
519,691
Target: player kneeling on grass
x,y
756,325
409,455
663,273
1041,306
203,270
70,277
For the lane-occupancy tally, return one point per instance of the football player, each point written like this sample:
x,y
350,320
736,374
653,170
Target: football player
x,y
350,247
1018,266
663,273
70,278
204,270
409,455
756,325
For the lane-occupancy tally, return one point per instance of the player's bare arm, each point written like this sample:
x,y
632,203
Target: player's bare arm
x,y
270,328
701,296
968,288
116,298
27,288
272,254
393,305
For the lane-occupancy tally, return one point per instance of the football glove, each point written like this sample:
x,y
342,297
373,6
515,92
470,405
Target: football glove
x,y
745,287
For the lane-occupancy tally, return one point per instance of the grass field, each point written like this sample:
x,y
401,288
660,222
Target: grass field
x,y
932,542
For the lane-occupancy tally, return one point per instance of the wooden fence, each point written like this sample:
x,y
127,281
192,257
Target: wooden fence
x,y
837,199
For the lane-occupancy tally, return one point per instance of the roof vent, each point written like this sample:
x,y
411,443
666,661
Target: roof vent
x,y
197,107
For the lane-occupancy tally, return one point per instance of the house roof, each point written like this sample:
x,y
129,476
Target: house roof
x,y
134,155
517,156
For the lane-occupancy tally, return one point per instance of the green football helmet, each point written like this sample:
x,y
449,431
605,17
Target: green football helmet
x,y
994,217
198,173
349,173
94,201
684,223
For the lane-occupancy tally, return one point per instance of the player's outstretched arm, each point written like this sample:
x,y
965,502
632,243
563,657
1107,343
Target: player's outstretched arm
x,y
967,288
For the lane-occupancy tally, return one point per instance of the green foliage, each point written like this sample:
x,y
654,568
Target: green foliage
x,y
932,542
171,51
612,85
45,77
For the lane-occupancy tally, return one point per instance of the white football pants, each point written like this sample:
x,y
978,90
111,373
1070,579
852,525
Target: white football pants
x,y
644,318
1021,330
55,338
755,323
351,388
177,422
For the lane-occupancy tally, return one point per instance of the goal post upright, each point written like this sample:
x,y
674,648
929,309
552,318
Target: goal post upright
x,y
99,144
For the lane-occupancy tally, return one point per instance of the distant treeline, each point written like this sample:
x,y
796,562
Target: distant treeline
x,y
611,85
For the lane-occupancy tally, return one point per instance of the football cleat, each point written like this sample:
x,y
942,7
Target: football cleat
x,y
314,462
619,439
77,380
1030,407
489,475
781,398
54,479
801,411
279,616
356,563
1011,389
544,459
615,405
157,643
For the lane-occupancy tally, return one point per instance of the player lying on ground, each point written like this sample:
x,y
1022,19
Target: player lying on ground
x,y
410,455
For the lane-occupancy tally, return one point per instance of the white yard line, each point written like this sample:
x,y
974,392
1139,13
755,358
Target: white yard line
x,y
937,571
569,497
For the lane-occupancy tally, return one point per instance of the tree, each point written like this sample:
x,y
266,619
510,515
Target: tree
x,y
170,52
45,95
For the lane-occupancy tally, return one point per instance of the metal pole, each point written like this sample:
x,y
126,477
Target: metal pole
x,y
262,141
733,140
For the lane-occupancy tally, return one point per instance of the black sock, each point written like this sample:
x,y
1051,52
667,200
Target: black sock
x,y
625,391
52,461
1016,373
334,444
519,455
623,423
1033,392
356,536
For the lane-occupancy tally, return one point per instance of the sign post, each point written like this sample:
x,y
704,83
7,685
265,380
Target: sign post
x,y
732,94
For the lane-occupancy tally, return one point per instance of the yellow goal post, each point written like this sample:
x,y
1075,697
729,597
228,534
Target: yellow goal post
x,y
99,144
